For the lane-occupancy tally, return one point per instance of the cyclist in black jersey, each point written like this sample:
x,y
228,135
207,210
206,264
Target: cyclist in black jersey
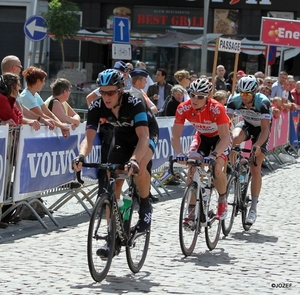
x,y
255,108
135,136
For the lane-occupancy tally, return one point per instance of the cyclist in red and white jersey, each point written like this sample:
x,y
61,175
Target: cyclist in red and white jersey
x,y
212,139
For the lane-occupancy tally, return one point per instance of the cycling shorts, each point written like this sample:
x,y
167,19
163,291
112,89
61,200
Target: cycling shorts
x,y
252,132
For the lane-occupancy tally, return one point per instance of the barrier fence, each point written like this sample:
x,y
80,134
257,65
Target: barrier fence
x,y
35,164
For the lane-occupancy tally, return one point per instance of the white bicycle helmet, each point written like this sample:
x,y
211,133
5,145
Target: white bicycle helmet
x,y
247,84
201,86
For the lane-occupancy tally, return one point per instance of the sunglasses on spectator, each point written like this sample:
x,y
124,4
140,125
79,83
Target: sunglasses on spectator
x,y
249,94
109,93
192,95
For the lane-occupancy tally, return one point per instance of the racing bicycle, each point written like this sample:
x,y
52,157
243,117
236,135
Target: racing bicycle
x,y
199,207
107,227
238,188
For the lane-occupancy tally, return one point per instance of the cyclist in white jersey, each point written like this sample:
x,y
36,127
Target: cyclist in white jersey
x,y
255,108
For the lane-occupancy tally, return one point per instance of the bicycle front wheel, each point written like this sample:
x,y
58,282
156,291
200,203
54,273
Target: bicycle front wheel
x,y
231,195
138,243
188,231
246,201
101,233
213,228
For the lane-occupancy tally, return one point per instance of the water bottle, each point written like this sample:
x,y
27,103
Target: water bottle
x,y
124,207
242,178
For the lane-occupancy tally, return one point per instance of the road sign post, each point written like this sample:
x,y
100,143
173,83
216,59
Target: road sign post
x,y
35,28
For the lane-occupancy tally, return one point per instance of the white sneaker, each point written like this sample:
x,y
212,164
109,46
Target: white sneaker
x,y
251,217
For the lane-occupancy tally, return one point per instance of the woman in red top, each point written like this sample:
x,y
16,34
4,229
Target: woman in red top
x,y
9,112
212,124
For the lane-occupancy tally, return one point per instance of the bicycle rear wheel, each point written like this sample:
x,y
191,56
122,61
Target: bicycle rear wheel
x,y
246,201
232,196
138,243
102,231
213,228
188,231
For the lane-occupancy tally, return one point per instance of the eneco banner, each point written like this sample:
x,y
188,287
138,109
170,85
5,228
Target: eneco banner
x,y
275,31
3,160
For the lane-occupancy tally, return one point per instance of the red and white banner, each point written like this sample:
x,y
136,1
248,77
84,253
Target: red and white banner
x,y
282,32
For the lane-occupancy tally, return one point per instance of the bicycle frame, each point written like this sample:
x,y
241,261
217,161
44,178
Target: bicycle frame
x,y
198,174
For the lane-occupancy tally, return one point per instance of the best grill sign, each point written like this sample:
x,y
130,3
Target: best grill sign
x,y
230,45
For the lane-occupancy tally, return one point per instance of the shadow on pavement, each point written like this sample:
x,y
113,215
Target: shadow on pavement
x,y
252,236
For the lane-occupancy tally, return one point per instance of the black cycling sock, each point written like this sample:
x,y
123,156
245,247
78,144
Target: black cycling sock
x,y
145,202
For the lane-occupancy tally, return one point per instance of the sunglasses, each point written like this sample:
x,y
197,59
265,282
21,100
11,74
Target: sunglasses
x,y
192,95
249,94
109,93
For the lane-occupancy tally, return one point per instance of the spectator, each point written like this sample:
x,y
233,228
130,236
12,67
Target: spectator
x,y
264,89
35,79
229,82
296,93
142,65
221,96
220,82
277,86
287,98
10,114
139,79
240,74
292,82
276,104
193,76
12,64
129,66
268,81
260,82
121,66
160,90
171,103
183,79
259,75
58,105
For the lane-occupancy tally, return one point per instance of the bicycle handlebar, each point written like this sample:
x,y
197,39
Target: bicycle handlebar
x,y
102,166
191,161
237,148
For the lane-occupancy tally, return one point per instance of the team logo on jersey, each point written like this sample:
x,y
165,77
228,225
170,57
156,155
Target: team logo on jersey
x,y
183,109
134,100
95,104
214,109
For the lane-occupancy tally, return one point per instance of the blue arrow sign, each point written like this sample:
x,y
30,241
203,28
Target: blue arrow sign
x,y
121,32
35,28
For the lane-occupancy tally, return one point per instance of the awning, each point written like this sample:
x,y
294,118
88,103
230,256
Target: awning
x,y
177,39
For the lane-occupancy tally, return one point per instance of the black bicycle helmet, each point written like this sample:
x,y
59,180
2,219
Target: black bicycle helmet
x,y
247,84
110,77
201,86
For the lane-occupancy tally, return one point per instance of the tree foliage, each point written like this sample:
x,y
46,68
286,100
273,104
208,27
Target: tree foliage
x,y
62,21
